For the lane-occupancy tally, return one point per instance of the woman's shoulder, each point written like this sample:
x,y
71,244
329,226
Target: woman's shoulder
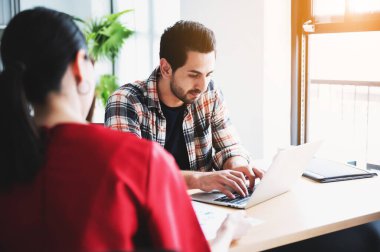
x,y
120,152
111,137
110,134
98,137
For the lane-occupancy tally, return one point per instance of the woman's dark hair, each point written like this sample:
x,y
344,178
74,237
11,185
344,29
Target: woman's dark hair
x,y
36,49
182,37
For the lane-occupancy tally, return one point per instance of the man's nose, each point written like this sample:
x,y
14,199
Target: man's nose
x,y
202,84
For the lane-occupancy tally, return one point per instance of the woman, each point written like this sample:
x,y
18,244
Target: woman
x,y
66,185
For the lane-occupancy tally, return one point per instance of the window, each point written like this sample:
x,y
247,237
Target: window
x,y
337,52
149,19
344,95
8,8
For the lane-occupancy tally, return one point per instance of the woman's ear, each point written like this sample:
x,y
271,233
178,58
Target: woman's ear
x,y
165,68
78,66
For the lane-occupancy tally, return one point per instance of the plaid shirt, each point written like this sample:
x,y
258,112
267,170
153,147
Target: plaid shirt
x,y
209,136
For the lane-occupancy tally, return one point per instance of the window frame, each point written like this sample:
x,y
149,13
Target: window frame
x,y
302,12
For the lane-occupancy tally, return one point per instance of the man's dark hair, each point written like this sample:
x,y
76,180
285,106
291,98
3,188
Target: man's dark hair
x,y
182,37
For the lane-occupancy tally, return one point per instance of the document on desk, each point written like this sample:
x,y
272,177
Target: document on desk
x,y
210,218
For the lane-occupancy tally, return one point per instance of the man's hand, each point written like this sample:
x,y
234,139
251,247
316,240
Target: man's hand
x,y
250,172
241,165
225,181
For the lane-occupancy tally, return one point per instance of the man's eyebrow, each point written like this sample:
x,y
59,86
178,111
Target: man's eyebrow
x,y
197,72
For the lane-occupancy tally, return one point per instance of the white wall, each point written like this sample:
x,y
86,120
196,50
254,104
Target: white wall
x,y
277,75
253,66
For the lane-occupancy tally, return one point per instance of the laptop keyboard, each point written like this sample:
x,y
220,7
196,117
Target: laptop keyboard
x,y
237,200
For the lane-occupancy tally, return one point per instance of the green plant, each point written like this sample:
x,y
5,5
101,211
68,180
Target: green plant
x,y
105,37
107,84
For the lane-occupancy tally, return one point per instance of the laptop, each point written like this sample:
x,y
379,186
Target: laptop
x,y
286,168
324,171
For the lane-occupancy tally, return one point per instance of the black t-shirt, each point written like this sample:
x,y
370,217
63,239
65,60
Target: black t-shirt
x,y
175,141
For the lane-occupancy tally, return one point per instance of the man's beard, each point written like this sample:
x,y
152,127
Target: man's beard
x,y
181,95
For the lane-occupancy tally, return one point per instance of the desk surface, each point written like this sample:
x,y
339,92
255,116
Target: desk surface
x,y
311,209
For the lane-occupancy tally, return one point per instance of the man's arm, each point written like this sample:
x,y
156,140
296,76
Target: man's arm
x,y
122,112
230,155
225,139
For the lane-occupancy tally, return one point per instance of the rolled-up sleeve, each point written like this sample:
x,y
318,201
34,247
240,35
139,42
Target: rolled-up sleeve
x,y
225,139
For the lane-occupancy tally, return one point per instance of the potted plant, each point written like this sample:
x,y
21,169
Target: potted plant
x,y
105,37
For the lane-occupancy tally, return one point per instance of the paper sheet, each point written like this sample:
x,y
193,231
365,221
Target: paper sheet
x,y
210,218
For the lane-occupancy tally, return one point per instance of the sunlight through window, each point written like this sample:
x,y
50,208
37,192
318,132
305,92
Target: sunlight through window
x,y
344,95
334,8
328,7
364,6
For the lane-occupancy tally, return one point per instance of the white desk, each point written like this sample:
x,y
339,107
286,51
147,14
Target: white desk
x,y
311,209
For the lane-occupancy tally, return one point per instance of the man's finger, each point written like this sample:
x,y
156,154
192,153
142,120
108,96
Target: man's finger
x,y
258,172
234,186
239,174
251,176
225,191
240,181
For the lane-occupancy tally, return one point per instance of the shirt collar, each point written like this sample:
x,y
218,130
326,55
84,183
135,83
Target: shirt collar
x,y
152,90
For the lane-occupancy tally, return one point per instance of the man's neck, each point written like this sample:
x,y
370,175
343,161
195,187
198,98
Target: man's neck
x,y
165,94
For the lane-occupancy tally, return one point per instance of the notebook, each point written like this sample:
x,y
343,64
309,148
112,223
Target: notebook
x,y
286,168
324,170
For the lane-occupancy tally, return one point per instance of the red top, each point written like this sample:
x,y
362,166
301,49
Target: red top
x,y
100,190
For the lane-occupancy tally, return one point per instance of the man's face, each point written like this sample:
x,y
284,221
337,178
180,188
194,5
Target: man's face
x,y
190,80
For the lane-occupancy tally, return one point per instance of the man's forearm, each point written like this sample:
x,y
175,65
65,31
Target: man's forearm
x,y
233,162
191,179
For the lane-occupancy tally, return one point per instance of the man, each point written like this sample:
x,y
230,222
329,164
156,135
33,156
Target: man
x,y
180,107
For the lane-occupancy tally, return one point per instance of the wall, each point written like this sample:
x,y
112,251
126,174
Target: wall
x,y
253,66
277,75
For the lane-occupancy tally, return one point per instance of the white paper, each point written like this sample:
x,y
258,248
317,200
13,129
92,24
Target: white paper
x,y
210,218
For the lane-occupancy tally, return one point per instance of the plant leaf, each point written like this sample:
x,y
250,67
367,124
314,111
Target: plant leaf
x,y
112,17
106,86
115,36
106,36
